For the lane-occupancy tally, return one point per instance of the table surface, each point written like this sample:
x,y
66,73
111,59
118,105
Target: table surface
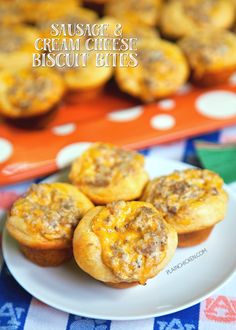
x,y
19,310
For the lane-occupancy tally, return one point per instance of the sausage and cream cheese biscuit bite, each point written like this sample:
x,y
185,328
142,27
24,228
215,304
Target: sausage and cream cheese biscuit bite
x,y
124,243
17,46
192,201
142,11
106,173
161,70
211,56
182,17
44,219
29,93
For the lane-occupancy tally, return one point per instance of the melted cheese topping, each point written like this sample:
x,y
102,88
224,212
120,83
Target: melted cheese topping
x,y
210,49
29,92
176,191
200,11
48,210
17,38
104,164
133,239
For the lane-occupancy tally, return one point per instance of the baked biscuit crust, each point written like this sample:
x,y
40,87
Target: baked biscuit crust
x,y
89,79
29,92
123,243
211,56
44,220
189,200
16,46
106,173
195,238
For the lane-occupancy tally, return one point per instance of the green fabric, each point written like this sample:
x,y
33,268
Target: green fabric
x,y
220,158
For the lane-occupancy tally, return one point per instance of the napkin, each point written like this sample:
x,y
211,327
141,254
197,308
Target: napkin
x,y
218,157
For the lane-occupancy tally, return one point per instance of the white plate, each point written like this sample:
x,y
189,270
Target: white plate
x,y
71,290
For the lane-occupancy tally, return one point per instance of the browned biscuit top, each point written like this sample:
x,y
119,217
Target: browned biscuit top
x,y
103,164
178,190
47,213
210,48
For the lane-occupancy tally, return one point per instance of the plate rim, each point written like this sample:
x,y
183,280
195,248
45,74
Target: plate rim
x,y
47,301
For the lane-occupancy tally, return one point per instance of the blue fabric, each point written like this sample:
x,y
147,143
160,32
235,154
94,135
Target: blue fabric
x,y
14,302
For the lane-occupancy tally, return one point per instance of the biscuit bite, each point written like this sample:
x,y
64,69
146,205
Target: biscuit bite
x,y
142,11
192,201
180,18
34,10
17,46
124,243
44,219
106,173
29,96
211,55
162,69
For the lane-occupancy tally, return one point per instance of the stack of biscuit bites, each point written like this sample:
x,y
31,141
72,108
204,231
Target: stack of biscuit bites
x,y
177,41
121,227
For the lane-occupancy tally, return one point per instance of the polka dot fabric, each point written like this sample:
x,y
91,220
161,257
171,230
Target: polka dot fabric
x,y
112,118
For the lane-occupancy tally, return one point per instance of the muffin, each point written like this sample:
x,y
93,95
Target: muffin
x,y
192,201
17,46
211,56
106,173
142,11
29,95
162,69
44,219
124,243
180,18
